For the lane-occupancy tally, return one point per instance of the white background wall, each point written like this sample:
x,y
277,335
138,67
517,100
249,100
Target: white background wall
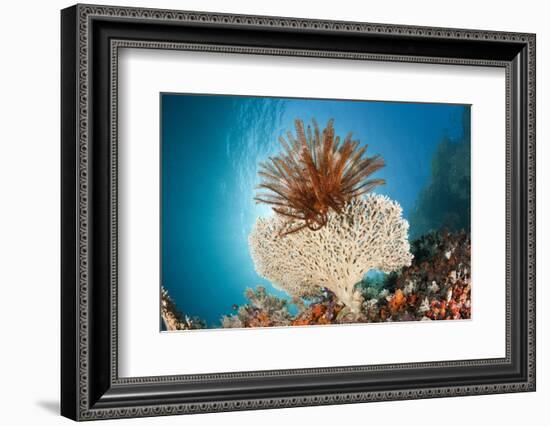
x,y
29,211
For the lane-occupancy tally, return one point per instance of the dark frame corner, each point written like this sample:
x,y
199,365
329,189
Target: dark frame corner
x,y
90,38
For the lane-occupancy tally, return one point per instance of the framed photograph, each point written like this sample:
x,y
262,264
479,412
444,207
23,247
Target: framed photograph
x,y
263,212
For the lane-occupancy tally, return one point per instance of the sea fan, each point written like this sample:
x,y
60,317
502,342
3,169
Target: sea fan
x,y
314,174
369,234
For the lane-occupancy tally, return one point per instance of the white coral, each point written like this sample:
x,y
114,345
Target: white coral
x,y
409,288
384,294
424,306
369,233
433,287
370,304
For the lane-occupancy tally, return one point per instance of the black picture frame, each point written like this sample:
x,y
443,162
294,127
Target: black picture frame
x,y
90,386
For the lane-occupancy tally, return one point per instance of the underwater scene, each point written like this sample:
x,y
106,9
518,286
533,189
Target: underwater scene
x,y
281,212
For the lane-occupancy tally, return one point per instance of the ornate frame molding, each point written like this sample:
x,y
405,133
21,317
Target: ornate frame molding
x,y
78,25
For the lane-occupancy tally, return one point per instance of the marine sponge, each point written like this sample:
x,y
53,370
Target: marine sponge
x,y
368,233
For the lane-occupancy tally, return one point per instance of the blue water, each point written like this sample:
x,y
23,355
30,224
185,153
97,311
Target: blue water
x,y
211,147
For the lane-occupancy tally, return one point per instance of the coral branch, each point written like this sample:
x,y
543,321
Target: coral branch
x,y
368,233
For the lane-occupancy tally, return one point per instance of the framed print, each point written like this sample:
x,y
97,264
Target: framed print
x,y
263,212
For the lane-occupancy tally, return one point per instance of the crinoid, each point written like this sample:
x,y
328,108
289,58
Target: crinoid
x,y
314,174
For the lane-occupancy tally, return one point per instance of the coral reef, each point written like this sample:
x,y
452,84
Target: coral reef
x,y
369,233
262,310
436,286
315,175
173,319
328,232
